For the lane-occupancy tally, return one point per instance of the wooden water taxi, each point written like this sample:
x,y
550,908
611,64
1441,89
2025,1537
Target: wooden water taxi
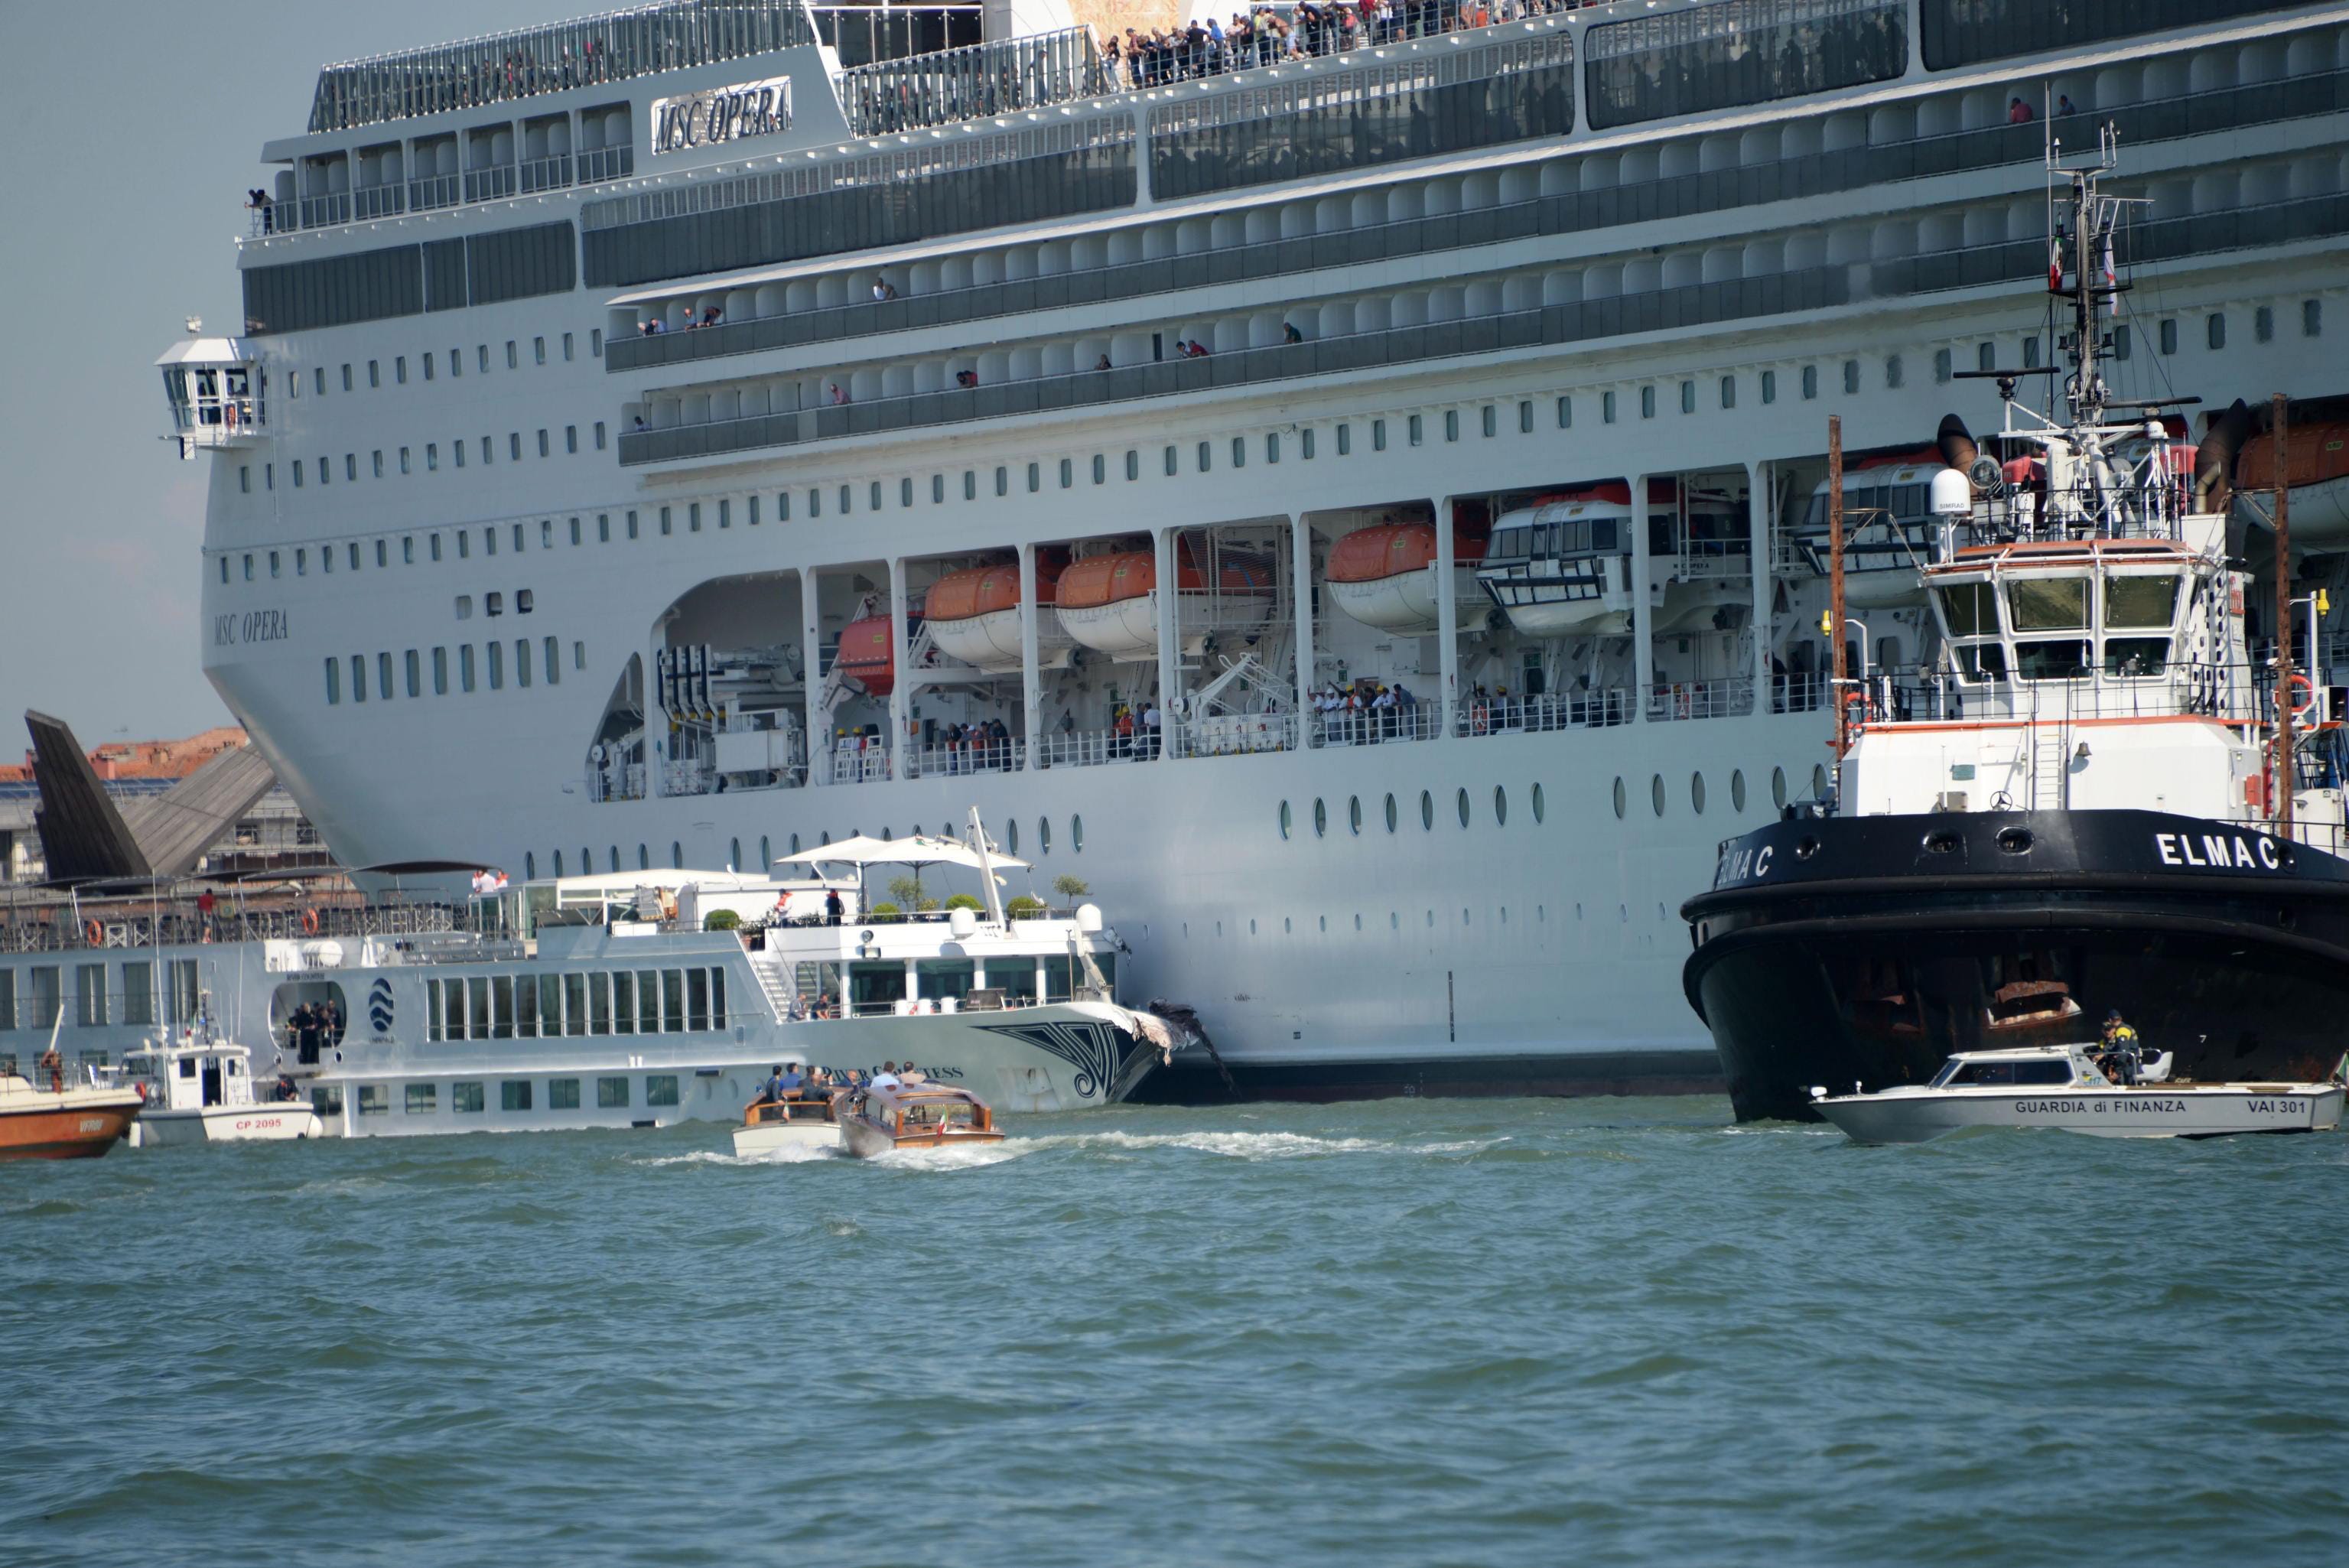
x,y
769,1125
913,1116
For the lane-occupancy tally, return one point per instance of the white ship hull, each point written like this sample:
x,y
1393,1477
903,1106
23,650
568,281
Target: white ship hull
x,y
226,1124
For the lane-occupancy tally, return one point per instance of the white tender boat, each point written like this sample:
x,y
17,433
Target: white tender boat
x,y
2063,1087
809,1122
200,1090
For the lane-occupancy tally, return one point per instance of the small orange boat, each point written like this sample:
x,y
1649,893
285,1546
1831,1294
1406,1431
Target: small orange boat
x,y
60,1122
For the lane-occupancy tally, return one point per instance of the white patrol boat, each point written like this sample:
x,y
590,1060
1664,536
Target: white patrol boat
x,y
200,1090
2064,1086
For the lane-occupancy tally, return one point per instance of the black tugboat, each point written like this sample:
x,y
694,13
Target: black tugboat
x,y
2087,802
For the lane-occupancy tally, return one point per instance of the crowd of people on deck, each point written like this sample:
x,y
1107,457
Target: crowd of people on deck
x,y
1264,35
1365,710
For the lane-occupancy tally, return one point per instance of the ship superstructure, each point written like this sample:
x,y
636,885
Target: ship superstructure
x,y
1348,502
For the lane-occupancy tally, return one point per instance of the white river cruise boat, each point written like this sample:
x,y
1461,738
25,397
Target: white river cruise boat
x,y
1351,503
634,1000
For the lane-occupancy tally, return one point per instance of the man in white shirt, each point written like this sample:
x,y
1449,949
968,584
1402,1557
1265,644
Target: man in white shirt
x,y
886,1077
1150,725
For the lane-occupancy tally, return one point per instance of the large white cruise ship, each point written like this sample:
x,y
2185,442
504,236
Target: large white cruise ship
x,y
685,435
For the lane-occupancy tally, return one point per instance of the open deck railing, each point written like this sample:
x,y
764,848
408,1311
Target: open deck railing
x,y
504,66
973,82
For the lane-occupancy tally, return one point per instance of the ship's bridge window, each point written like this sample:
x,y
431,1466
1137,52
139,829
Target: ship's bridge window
x,y
2048,603
1969,609
2133,603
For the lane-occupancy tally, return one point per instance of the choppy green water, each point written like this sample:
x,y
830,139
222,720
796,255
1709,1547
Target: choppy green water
x,y
1405,1333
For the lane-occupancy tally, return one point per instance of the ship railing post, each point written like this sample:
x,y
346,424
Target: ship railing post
x,y
1031,693
1170,629
1301,588
818,721
1643,645
1448,612
900,695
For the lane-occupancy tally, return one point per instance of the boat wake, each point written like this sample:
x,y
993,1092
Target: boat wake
x,y
1256,1145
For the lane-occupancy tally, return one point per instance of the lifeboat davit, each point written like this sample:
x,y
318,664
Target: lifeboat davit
x,y
1110,602
974,615
2318,460
1385,577
863,656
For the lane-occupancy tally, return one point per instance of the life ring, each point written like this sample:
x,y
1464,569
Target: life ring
x,y
94,933
309,923
1856,707
2303,692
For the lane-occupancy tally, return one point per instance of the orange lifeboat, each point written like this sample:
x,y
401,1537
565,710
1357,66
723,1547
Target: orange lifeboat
x,y
2318,460
863,655
974,615
1384,576
1110,602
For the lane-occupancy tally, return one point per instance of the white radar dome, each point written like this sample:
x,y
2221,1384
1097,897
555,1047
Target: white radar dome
x,y
1952,493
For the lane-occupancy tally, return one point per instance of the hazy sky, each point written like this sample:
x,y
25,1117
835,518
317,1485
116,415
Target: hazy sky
x,y
131,134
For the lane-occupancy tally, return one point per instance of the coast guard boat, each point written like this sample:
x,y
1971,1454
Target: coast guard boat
x,y
2063,1087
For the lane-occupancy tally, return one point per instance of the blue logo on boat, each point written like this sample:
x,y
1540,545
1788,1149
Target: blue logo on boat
x,y
379,1004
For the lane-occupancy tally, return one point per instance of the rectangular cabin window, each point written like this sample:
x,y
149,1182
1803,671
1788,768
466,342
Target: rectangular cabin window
x,y
422,1098
563,1094
502,1007
649,1002
526,1006
2141,601
513,1094
2048,603
611,1093
599,1005
697,1000
660,1089
624,1003
465,1099
550,1007
574,1004
1969,609
2058,659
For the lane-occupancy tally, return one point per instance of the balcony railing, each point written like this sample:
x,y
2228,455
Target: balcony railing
x,y
504,67
1565,215
972,83
948,760
606,163
379,201
1662,309
1421,721
551,173
490,184
433,192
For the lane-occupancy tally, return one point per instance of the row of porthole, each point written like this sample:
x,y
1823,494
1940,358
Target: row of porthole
x,y
1463,806
1426,812
1657,793
1394,919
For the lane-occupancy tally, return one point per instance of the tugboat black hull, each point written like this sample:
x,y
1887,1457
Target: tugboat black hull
x,y
1865,950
